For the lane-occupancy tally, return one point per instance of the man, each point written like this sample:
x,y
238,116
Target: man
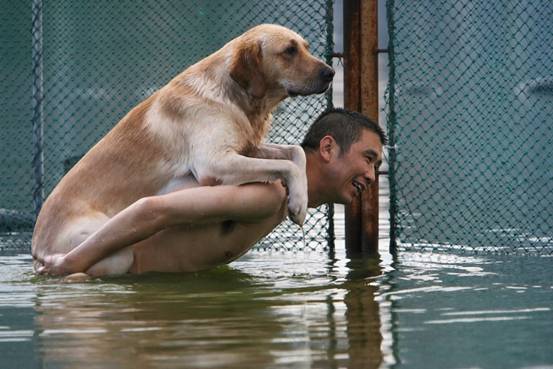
x,y
202,227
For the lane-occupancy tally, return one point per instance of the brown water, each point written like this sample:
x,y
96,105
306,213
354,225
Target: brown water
x,y
266,311
286,310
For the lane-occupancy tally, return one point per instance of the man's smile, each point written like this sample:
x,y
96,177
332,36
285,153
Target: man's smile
x,y
359,187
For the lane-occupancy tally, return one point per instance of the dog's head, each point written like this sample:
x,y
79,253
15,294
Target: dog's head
x,y
273,60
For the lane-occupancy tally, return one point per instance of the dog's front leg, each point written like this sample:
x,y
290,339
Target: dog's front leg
x,y
232,168
294,153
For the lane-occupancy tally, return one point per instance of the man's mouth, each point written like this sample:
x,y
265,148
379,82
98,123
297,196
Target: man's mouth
x,y
359,187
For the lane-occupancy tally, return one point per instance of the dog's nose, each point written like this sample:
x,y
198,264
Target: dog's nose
x,y
327,74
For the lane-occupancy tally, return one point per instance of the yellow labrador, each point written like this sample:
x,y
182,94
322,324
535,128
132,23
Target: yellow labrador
x,y
205,126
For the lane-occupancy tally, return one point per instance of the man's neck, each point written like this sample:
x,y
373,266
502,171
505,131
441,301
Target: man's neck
x,y
315,192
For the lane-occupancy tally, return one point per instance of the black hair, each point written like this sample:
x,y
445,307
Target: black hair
x,y
343,125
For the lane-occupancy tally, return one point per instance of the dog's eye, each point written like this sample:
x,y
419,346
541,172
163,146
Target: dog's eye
x,y
291,50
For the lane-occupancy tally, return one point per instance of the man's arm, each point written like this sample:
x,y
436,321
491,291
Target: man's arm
x,y
147,216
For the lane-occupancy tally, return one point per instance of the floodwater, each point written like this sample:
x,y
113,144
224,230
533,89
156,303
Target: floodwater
x,y
287,310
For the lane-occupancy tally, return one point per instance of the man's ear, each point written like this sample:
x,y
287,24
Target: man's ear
x,y
328,148
246,68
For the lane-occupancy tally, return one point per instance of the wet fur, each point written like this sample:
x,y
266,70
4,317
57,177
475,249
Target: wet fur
x,y
219,106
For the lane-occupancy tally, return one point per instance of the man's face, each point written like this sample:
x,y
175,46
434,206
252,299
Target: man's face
x,y
354,171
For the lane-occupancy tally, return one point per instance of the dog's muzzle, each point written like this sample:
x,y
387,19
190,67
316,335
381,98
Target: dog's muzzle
x,y
319,84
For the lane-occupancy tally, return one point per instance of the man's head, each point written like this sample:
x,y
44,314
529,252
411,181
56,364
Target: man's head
x,y
347,147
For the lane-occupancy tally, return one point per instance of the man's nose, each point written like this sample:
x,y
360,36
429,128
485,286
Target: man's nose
x,y
370,175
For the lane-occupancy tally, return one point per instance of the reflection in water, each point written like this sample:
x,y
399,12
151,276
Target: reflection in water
x,y
287,311
363,320
158,320
255,315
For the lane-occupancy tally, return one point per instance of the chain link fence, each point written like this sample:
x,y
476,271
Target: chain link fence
x,y
69,70
470,104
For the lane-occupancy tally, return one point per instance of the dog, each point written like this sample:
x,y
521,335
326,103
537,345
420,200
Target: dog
x,y
205,127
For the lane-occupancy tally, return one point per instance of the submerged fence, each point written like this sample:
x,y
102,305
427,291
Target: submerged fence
x,y
470,105
69,70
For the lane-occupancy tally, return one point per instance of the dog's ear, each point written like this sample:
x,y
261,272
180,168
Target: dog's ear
x,y
246,69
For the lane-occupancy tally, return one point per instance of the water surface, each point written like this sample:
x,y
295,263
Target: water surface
x,y
287,310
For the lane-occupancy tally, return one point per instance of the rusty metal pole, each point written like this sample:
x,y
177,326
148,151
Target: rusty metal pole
x,y
361,94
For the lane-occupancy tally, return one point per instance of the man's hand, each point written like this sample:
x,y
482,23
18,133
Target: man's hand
x,y
55,264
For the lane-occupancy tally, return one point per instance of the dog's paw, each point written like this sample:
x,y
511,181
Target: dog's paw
x,y
297,212
297,196
297,205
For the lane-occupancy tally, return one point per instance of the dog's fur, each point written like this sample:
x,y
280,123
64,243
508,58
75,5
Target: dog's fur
x,y
205,125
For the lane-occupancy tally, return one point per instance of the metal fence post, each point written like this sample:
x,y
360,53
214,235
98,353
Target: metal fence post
x,y
329,54
37,103
361,94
